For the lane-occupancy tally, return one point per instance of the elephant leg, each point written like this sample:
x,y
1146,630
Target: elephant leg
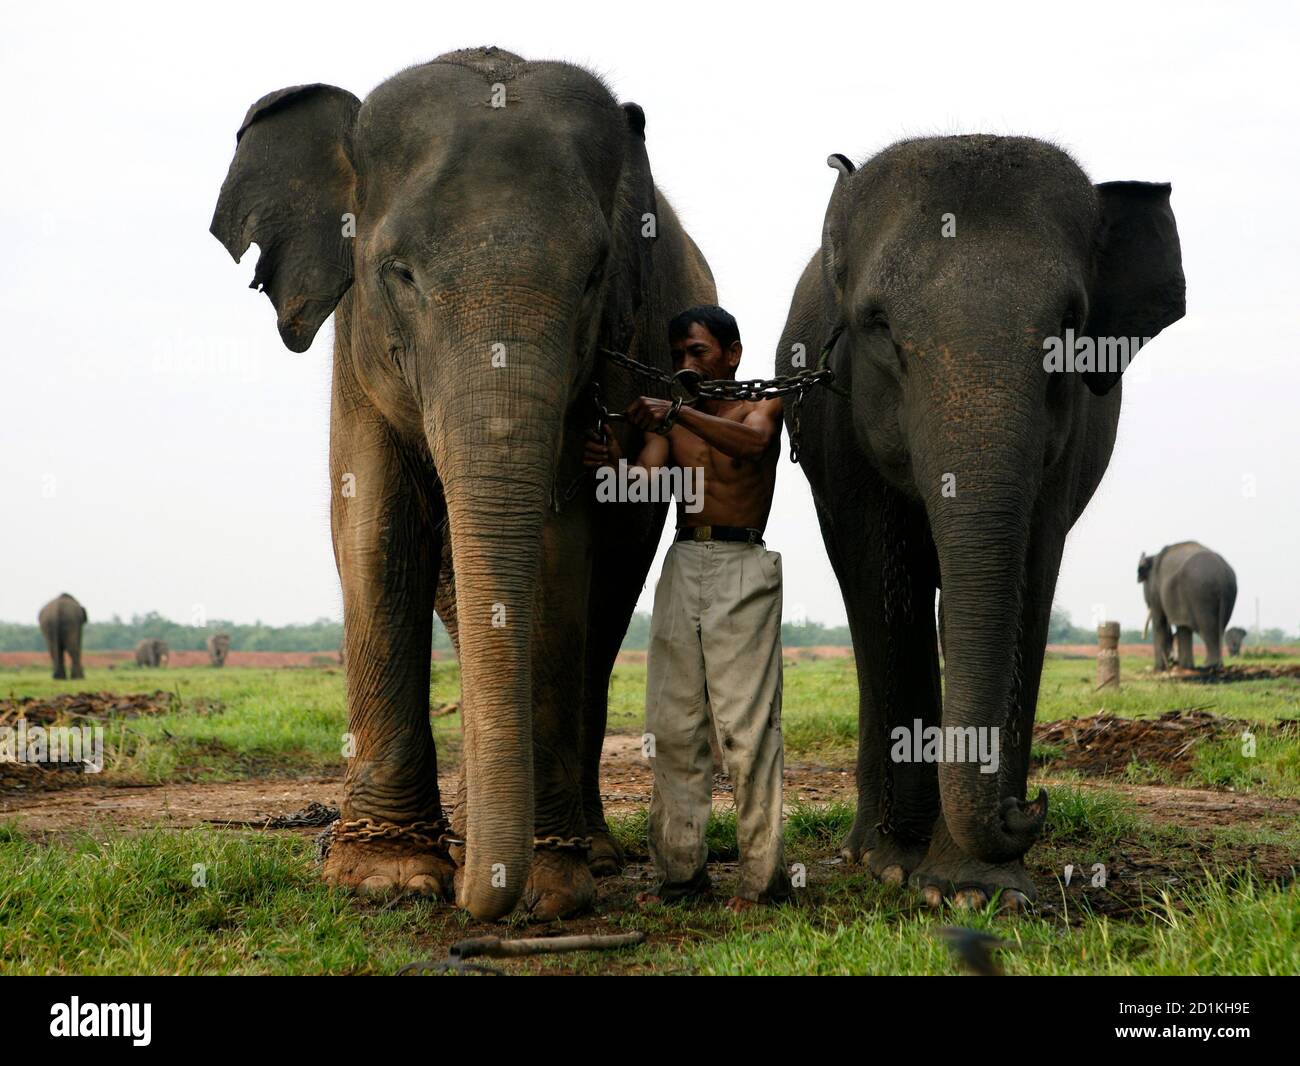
x,y
386,545
1185,657
947,870
1211,630
73,647
56,656
898,677
1161,641
626,537
560,884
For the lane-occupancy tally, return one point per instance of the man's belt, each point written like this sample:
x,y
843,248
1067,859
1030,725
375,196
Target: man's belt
x,y
733,533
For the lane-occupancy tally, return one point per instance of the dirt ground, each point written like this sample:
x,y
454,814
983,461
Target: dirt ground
x,y
1098,745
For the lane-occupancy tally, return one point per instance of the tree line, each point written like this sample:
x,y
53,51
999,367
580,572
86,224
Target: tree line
x,y
326,634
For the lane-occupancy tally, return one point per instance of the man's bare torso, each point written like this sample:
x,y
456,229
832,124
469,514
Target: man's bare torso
x,y
737,492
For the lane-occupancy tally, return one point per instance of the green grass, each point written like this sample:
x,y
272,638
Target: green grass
x,y
130,904
127,902
231,723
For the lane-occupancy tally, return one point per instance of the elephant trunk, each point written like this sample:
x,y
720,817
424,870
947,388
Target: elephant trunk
x,y
494,435
981,531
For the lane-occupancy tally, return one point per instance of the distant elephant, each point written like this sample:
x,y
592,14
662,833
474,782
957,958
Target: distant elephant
x,y
1234,637
481,226
152,653
955,452
1188,586
61,620
218,648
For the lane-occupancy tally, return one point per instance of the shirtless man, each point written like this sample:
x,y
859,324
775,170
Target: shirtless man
x,y
715,638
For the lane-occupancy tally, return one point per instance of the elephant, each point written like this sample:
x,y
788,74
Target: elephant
x,y
1234,636
1188,586
952,453
218,648
61,620
152,652
481,226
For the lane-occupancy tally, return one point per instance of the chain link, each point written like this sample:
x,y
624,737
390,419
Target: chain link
x,y
896,592
729,391
433,835
562,843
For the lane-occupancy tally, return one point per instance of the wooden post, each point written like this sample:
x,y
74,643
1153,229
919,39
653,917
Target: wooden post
x,y
1108,654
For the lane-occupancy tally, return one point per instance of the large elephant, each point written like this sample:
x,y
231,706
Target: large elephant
x,y
950,454
61,620
1188,586
218,649
152,652
1234,638
480,225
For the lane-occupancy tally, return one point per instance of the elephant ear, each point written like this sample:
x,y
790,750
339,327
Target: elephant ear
x,y
1138,285
835,230
634,229
290,183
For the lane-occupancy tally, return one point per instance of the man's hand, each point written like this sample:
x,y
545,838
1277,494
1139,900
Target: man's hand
x,y
648,413
601,449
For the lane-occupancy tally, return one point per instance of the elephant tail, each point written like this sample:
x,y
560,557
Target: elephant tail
x,y
1146,626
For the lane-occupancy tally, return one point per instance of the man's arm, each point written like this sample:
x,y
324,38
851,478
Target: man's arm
x,y
748,439
599,452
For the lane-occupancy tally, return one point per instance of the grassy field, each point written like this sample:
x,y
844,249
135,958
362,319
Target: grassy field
x,y
1195,895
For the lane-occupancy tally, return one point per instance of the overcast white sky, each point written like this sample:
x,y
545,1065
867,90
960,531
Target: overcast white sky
x,y
139,482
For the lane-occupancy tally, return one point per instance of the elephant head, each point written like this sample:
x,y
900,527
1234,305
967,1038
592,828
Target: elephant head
x,y
218,648
1235,637
1145,562
482,225
950,265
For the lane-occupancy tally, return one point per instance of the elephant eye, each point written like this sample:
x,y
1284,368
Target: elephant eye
x,y
402,271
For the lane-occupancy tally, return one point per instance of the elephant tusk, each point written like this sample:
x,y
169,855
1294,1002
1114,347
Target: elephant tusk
x,y
1146,625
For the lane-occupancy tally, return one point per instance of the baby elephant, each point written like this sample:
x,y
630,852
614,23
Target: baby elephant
x,y
218,648
152,652
1188,586
1234,637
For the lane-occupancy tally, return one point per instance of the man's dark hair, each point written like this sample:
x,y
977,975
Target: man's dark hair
x,y
711,317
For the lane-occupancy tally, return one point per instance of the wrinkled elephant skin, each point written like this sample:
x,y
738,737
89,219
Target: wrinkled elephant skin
x,y
479,226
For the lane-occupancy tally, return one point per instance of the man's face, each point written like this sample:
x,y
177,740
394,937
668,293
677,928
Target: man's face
x,y
700,351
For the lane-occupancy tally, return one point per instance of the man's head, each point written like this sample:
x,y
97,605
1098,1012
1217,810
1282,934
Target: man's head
x,y
705,339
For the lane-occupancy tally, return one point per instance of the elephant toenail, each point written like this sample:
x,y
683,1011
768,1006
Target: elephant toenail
x,y
424,884
970,899
376,885
893,875
1015,902
933,896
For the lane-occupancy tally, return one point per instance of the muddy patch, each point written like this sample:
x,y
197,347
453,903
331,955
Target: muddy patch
x,y
1103,744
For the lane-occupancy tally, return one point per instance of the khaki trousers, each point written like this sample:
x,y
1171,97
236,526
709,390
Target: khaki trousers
x,y
715,639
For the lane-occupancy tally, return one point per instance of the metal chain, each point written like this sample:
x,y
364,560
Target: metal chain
x,y
433,835
1014,725
753,389
562,843
896,592
688,390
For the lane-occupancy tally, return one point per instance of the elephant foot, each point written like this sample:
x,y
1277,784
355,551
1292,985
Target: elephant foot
x,y
389,868
605,857
559,886
861,839
893,859
78,674
948,873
